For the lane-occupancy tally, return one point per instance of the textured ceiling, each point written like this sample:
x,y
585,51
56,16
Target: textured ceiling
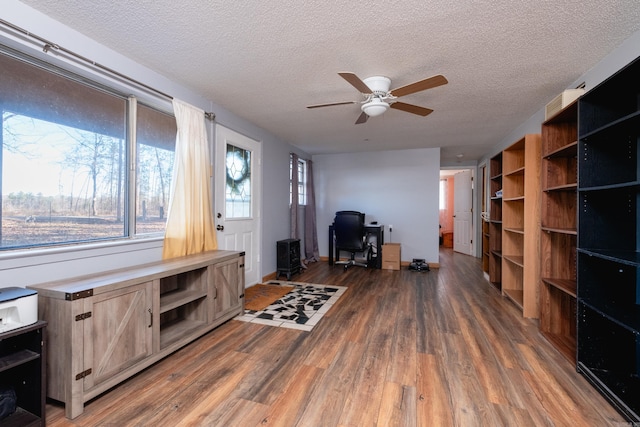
x,y
267,60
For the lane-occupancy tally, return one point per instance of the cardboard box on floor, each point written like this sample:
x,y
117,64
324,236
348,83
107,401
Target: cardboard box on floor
x,y
391,256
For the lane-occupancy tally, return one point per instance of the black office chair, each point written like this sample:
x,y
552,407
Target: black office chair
x,y
350,236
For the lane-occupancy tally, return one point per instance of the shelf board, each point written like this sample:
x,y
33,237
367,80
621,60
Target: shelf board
x,y
569,150
497,253
565,285
565,187
519,171
629,121
565,344
21,418
514,230
616,186
18,358
560,230
515,295
177,330
514,199
609,382
496,177
515,259
628,318
623,257
177,298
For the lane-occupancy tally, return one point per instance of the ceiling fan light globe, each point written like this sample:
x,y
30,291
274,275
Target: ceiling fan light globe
x,y
375,107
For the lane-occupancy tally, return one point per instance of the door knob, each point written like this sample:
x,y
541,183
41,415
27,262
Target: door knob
x,y
220,227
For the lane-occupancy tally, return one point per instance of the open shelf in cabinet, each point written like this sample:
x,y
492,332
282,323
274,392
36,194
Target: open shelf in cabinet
x,y
608,218
513,266
608,357
605,164
183,307
611,100
486,251
620,297
22,368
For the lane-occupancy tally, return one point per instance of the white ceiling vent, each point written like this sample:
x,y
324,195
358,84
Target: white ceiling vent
x,y
561,101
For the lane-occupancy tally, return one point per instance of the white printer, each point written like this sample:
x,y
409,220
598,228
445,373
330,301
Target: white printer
x,y
18,308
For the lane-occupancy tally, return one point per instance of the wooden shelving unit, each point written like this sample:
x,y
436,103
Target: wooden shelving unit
x,y
559,230
183,307
486,252
495,221
484,208
520,223
608,254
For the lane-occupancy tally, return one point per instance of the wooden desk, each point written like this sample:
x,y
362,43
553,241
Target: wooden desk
x,y
370,230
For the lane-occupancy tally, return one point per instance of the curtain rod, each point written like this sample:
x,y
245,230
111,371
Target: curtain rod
x,y
49,45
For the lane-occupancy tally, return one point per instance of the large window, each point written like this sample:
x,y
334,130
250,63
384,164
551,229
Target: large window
x,y
67,160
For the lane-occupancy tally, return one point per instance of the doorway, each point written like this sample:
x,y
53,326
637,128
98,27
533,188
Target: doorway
x,y
456,212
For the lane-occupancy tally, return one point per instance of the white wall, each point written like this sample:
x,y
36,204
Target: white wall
x,y
391,187
21,268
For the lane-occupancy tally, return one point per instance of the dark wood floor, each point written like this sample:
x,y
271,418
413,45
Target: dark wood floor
x,y
403,348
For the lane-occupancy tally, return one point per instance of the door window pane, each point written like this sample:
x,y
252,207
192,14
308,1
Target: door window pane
x,y
238,185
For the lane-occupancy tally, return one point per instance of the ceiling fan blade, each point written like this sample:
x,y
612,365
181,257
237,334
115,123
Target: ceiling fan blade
x,y
355,82
362,119
425,84
331,104
410,108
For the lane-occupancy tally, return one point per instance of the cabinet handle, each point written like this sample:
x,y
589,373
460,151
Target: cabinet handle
x,y
150,318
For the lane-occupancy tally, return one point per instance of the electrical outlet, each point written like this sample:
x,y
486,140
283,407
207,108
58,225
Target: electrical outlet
x,y
390,228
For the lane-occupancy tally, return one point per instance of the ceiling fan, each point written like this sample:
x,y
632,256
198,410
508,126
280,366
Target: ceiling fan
x,y
378,98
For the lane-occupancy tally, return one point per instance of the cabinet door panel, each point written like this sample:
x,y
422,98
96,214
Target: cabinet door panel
x,y
118,334
228,280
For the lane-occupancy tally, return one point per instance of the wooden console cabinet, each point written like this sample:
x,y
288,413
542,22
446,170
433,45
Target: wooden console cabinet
x,y
104,328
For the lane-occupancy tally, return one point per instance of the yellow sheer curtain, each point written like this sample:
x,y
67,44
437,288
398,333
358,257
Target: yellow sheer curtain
x,y
190,216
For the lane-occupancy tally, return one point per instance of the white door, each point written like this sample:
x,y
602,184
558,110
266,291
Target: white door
x,y
462,215
237,197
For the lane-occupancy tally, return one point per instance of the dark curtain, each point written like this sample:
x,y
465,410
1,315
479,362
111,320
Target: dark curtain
x,y
310,230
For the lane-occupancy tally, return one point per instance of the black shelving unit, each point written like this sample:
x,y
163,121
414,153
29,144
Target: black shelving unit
x,y
608,342
22,368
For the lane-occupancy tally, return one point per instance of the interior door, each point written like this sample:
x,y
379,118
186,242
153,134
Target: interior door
x,y
237,197
462,212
